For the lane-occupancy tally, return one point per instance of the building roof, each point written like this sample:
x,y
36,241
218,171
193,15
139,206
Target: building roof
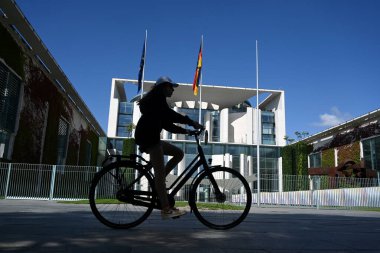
x,y
22,31
213,96
350,124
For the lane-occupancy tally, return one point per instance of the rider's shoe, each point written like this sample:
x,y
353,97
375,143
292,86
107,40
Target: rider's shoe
x,y
172,213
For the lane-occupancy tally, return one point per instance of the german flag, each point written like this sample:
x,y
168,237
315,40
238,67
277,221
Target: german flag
x,y
142,66
198,70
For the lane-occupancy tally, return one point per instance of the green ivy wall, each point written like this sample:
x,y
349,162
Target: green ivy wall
x,y
349,152
294,158
328,158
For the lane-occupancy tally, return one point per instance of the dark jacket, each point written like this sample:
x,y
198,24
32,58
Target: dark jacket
x,y
157,115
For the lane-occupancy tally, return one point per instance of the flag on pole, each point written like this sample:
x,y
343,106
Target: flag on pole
x,y
198,70
142,66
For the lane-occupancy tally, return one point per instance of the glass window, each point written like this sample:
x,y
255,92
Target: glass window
x,y
218,148
125,108
315,160
63,132
215,126
194,115
269,152
191,148
236,150
10,86
88,153
267,117
268,139
4,140
117,144
207,149
371,151
236,163
123,132
124,120
268,128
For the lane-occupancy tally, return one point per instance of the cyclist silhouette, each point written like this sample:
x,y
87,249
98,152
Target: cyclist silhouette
x,y
157,115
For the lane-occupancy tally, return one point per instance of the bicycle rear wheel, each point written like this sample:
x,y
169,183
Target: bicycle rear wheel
x,y
114,191
224,208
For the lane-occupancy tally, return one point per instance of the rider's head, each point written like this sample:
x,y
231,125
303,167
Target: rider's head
x,y
166,84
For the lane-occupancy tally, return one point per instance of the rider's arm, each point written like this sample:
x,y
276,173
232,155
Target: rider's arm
x,y
175,129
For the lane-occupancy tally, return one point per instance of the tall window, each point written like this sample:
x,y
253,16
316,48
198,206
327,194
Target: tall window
x,y
116,144
236,163
63,134
268,128
371,151
192,114
125,119
88,149
315,160
215,126
10,86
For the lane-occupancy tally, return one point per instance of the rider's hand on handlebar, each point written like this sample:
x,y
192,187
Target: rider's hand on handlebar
x,y
196,125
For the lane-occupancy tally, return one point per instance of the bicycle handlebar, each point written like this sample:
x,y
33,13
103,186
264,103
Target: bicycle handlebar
x,y
198,132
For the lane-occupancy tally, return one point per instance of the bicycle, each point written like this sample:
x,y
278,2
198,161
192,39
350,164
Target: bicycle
x,y
122,194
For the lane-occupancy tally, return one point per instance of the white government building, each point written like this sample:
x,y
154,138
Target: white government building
x,y
228,116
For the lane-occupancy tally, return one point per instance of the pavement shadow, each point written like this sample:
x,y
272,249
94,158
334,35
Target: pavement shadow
x,y
79,231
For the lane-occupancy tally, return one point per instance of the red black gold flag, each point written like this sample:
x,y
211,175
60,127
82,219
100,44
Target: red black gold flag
x,y
198,70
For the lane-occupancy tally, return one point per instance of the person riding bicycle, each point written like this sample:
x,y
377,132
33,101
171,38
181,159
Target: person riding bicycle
x,y
157,115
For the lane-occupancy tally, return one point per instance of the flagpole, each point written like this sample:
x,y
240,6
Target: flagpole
x,y
258,125
200,87
143,71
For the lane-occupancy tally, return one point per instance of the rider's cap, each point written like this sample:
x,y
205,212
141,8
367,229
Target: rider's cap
x,y
165,80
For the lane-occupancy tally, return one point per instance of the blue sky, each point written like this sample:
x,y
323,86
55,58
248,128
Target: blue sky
x,y
325,54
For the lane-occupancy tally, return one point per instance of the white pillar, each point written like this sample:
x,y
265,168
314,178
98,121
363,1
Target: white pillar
x,y
224,125
280,177
250,170
250,125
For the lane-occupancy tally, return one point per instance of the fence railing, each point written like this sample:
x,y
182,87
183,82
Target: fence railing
x,y
54,182
318,191
50,182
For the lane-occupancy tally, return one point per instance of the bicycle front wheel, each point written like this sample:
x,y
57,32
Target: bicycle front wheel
x,y
224,207
121,195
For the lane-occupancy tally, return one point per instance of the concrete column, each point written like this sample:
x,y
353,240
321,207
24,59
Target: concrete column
x,y
280,177
250,125
250,170
224,125
243,165
227,160
207,120
113,111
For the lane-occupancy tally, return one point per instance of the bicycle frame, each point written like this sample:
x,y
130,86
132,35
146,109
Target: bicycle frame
x,y
197,162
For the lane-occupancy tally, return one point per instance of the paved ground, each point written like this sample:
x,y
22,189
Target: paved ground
x,y
45,226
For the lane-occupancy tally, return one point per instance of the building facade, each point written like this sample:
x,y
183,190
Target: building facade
x,y
43,120
349,149
227,114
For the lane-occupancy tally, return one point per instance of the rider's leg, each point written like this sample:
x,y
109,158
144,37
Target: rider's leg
x,y
157,159
175,152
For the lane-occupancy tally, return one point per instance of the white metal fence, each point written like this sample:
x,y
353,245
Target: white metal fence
x,y
50,182
53,182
